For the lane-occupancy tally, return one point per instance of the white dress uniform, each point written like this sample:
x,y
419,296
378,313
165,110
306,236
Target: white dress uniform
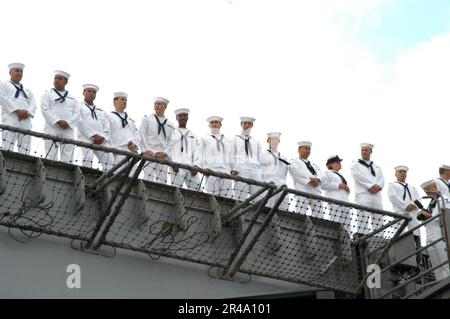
x,y
330,184
275,168
438,252
216,156
185,148
301,171
155,133
364,178
247,162
401,195
14,97
123,130
443,187
94,121
56,106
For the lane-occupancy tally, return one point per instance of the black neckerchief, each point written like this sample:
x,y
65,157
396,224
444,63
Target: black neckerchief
x,y
123,120
93,114
405,190
161,126
342,177
18,90
372,171
62,98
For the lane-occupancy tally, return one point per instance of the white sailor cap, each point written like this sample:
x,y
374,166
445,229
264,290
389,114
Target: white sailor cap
x,y
428,183
120,94
274,134
247,119
366,145
161,99
445,166
333,159
16,66
401,168
182,110
90,86
214,118
304,143
63,74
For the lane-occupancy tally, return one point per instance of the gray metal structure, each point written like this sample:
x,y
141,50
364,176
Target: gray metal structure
x,y
169,242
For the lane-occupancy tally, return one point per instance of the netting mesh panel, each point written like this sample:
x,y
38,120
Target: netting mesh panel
x,y
305,249
164,228
53,208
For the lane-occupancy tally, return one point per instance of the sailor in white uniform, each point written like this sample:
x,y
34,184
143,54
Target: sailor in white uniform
x,y
336,186
275,168
18,108
246,159
185,148
438,253
405,199
124,134
94,128
369,181
307,178
155,132
216,152
443,180
61,112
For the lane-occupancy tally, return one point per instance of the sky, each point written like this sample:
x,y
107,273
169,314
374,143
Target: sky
x,y
336,73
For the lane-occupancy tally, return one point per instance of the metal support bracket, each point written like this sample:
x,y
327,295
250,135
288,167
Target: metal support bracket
x,y
141,214
216,218
273,234
2,174
311,242
79,187
179,215
36,193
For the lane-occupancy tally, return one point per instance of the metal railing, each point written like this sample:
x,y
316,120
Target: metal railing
x,y
300,242
422,278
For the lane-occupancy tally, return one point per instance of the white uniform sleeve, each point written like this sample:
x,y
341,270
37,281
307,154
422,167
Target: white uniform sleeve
x,y
143,134
380,178
329,182
319,173
233,155
106,132
5,101
32,108
298,173
136,139
170,135
171,146
197,160
202,142
84,129
46,111
266,159
76,113
395,198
